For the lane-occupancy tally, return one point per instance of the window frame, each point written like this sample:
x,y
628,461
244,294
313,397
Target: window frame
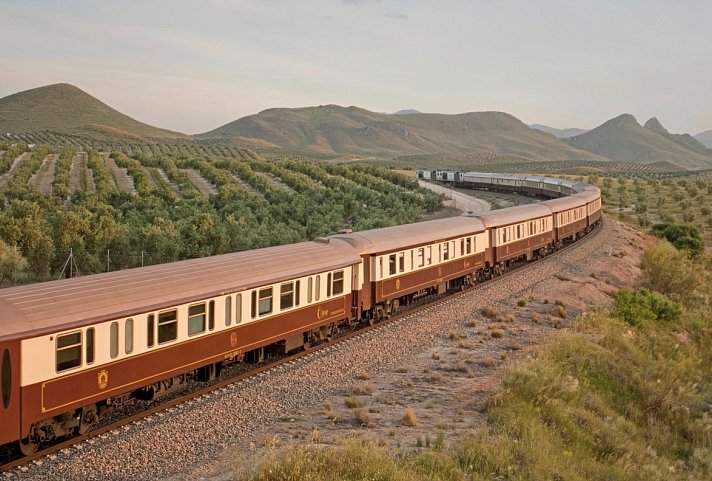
x,y
265,294
114,340
192,316
57,349
337,280
91,344
164,323
128,336
286,295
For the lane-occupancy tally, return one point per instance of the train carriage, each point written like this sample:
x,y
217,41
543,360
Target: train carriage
x,y
592,196
412,259
570,219
136,332
522,231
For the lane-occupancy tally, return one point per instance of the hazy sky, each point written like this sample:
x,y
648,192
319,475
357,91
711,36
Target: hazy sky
x,y
192,66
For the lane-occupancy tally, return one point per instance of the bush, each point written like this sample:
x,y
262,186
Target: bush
x,y
672,273
636,307
683,237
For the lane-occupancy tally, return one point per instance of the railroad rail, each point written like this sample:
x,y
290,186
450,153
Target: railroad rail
x,y
402,316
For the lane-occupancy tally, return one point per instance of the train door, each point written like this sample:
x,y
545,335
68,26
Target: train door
x,y
9,391
366,284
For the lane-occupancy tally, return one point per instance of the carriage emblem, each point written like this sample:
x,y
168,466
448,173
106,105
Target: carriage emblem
x,y
233,339
321,313
397,284
102,379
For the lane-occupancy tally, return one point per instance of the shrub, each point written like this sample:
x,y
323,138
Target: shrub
x,y
488,311
683,237
522,302
352,403
672,273
636,307
409,418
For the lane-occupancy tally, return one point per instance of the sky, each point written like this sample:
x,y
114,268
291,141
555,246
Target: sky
x,y
193,66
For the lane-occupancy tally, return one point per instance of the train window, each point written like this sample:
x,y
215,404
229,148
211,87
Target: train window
x,y
519,231
6,382
128,336
391,264
421,257
114,340
468,245
90,345
328,285
228,310
265,301
238,309
445,251
401,262
317,288
462,246
69,351
338,280
429,256
297,293
380,267
151,330
504,236
286,295
211,315
254,304
196,319
412,259
310,284
167,326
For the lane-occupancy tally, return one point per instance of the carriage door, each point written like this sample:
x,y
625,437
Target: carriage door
x,y
9,391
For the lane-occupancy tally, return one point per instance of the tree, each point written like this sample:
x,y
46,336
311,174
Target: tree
x,y
10,259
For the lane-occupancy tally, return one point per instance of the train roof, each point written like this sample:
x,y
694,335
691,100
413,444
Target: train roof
x,y
408,235
589,194
52,306
512,215
564,203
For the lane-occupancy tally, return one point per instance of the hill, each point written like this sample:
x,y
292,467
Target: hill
x,y
65,108
625,140
336,129
407,112
558,133
685,140
705,137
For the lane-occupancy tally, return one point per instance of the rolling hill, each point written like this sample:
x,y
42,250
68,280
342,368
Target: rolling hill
x,y
65,108
336,129
623,139
685,140
705,137
558,133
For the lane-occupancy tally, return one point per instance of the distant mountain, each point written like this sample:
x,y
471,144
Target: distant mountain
x,y
353,130
685,140
407,111
705,137
625,140
559,133
67,109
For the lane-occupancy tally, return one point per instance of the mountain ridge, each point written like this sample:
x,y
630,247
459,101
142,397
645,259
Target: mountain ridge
x,y
559,133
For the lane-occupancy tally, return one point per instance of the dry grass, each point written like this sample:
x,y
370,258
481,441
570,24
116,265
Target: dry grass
x,y
363,417
353,402
363,390
497,333
489,312
409,418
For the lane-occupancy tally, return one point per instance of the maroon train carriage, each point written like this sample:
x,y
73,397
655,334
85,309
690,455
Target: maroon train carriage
x,y
592,196
516,232
70,348
404,262
570,219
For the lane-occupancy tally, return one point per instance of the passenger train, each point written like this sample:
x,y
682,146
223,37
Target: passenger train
x,y
71,349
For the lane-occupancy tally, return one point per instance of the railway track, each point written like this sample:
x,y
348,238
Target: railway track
x,y
403,316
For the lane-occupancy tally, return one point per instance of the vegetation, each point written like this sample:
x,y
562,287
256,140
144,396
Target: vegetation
x,y
625,396
108,228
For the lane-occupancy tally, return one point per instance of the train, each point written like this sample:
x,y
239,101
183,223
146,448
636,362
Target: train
x,y
73,349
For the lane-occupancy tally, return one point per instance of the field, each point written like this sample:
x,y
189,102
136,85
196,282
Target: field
x,y
117,211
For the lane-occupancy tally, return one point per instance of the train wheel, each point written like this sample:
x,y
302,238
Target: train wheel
x,y
27,447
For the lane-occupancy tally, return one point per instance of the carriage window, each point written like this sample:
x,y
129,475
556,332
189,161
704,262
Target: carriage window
x,y
462,247
286,295
167,326
338,283
380,267
150,334
238,309
265,301
429,257
296,293
412,259
128,336
391,264
196,319
317,288
468,245
228,310
90,345
69,351
421,257
211,315
401,262
310,284
114,339
445,251
328,285
504,235
6,374
519,231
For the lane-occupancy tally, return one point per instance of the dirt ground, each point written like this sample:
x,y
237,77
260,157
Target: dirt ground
x,y
448,384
